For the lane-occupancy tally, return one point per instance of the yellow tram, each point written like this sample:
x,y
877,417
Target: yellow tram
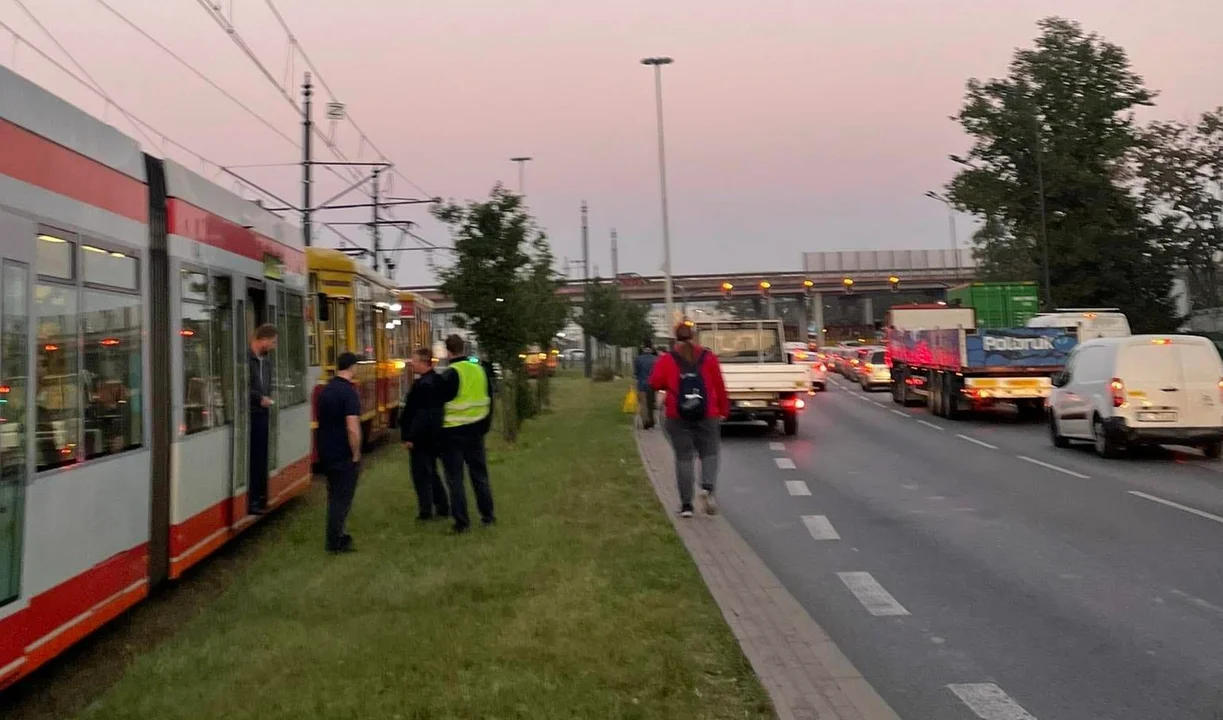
x,y
350,309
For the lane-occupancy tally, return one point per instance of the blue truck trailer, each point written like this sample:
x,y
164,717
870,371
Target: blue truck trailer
x,y
938,357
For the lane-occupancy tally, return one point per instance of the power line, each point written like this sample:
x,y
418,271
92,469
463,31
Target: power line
x,y
139,124
96,86
197,72
232,32
148,36
284,25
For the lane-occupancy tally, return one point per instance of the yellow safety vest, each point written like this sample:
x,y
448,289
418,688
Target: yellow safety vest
x,y
472,403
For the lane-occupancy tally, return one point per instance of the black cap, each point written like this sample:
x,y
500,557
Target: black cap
x,y
345,361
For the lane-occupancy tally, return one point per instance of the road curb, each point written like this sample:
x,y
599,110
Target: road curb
x,y
805,673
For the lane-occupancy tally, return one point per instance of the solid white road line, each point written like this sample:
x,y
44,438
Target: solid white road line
x,y
1050,466
797,487
901,413
975,441
820,528
1178,506
931,425
776,446
874,598
989,702
784,463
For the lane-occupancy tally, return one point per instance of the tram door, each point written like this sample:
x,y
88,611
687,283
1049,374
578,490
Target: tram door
x,y
240,401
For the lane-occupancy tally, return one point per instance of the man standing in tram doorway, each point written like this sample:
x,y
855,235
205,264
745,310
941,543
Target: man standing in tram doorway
x,y
468,393
339,449
260,372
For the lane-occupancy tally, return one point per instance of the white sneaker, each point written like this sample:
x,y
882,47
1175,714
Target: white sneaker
x,y
709,503
685,511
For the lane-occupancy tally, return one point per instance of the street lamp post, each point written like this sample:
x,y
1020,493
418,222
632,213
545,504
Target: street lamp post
x,y
657,63
955,241
522,173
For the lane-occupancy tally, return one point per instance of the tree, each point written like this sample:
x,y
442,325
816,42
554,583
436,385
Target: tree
x,y
492,282
1051,171
1180,167
613,321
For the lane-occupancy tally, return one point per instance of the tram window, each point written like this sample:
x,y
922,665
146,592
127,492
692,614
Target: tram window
x,y
58,394
13,363
294,351
108,267
111,373
222,343
55,254
196,334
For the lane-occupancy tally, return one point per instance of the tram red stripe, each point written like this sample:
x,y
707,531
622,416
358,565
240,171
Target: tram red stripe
x,y
63,603
35,160
189,221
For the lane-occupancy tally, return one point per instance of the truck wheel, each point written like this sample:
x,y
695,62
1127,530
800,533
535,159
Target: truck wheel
x,y
789,423
936,396
1213,449
898,387
951,399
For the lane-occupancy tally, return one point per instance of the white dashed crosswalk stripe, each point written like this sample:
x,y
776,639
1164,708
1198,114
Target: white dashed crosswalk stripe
x,y
989,702
797,487
784,463
820,528
870,593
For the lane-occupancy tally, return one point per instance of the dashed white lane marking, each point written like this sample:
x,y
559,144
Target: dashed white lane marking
x,y
901,413
874,598
784,463
1178,506
820,528
989,702
975,441
931,425
797,487
1051,466
777,446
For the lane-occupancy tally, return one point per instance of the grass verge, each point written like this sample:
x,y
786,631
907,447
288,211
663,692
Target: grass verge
x,y
582,603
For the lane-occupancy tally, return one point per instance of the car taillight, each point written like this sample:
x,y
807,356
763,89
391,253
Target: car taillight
x,y
1221,390
1116,389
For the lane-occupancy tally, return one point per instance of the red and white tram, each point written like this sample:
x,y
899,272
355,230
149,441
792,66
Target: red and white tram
x,y
129,286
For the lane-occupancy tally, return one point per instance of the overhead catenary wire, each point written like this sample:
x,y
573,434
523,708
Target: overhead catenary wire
x,y
216,86
95,85
284,25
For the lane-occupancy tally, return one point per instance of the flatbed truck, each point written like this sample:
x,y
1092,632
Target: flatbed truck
x,y
940,358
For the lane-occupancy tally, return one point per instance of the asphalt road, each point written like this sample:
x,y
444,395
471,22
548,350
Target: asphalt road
x,y
972,570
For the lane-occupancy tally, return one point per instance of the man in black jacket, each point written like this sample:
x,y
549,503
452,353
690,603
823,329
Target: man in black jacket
x,y
260,392
420,428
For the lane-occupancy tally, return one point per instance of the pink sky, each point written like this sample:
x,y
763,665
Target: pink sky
x,y
792,125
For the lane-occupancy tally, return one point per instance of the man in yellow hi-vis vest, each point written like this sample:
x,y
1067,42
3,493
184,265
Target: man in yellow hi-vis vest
x,y
467,390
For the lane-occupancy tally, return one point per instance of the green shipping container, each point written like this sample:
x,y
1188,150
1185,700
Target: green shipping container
x,y
998,304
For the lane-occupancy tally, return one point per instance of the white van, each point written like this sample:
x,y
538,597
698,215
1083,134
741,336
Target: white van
x,y
1091,323
1141,389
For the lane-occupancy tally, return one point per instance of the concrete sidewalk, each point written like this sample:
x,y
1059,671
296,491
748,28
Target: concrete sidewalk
x,y
806,675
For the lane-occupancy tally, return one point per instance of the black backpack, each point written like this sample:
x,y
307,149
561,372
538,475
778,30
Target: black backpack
x,y
693,399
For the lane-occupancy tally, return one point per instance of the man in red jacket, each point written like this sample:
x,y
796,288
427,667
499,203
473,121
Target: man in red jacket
x,y
696,405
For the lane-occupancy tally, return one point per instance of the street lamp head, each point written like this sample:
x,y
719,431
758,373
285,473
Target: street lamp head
x,y
933,195
520,159
657,61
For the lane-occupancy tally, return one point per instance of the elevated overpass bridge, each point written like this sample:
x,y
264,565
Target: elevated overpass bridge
x,y
871,273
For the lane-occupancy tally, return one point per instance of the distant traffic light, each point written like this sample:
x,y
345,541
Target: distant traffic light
x,y
807,285
764,287
849,285
894,282
726,289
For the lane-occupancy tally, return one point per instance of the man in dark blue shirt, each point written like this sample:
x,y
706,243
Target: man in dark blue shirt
x,y
260,393
339,449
